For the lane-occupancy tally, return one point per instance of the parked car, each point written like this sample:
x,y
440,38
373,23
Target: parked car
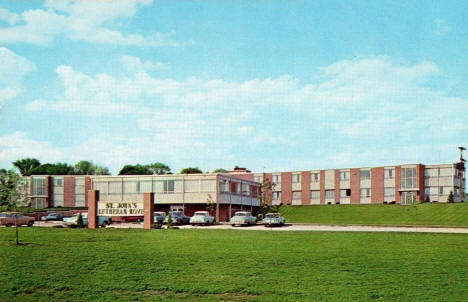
x,y
242,218
14,218
202,217
273,219
52,217
158,217
178,217
103,221
132,218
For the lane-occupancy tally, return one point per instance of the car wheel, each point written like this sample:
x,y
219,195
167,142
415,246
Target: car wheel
x,y
30,224
9,225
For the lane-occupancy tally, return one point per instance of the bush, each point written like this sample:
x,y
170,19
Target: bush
x,y
260,216
156,226
79,221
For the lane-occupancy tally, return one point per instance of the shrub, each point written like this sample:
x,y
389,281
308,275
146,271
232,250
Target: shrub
x,y
450,197
156,226
79,221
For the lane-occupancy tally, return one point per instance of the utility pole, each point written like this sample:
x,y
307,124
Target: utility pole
x,y
461,173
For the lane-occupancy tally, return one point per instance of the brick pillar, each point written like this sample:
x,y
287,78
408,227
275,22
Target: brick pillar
x,y
87,187
397,184
377,185
305,187
148,209
93,198
286,187
337,186
420,181
322,186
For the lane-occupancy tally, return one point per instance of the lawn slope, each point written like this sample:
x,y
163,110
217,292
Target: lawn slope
x,y
212,265
429,214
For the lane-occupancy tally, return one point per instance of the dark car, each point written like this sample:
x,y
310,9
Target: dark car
x,y
177,217
132,218
52,217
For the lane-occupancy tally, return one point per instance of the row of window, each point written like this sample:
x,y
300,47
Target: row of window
x,y
330,194
344,175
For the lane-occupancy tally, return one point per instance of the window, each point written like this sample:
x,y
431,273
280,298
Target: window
x,y
258,178
245,189
146,186
58,182
389,173
389,192
296,195
444,190
315,177
39,186
364,174
314,195
344,175
408,178
169,186
223,186
276,179
428,173
130,186
277,195
115,187
79,200
345,192
365,192
296,178
79,185
79,181
329,194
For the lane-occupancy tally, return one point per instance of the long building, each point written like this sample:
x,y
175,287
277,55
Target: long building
x,y
403,184
189,192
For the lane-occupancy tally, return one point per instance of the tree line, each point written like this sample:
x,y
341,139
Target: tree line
x,y
32,166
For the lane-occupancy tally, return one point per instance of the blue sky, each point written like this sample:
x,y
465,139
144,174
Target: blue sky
x,y
274,85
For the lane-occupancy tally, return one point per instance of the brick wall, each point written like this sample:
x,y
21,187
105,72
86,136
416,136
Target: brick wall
x,y
322,186
305,187
377,185
69,191
286,187
420,181
397,184
337,185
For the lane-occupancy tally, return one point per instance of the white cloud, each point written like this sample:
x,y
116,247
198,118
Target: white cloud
x,y
91,21
370,101
9,17
19,145
13,68
134,64
440,27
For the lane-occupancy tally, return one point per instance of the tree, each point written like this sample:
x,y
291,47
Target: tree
x,y
220,170
265,197
100,170
210,204
450,197
12,193
135,170
159,168
85,167
53,169
26,165
190,170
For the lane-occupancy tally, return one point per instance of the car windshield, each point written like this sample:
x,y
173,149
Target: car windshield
x,y
176,213
3,215
200,214
159,214
241,214
272,215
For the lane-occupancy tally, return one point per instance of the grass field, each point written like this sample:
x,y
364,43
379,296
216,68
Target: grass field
x,y
421,214
211,265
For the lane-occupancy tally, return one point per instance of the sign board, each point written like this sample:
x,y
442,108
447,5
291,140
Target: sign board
x,y
120,208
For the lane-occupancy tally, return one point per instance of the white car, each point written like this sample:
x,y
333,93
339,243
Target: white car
x,y
273,219
242,218
202,217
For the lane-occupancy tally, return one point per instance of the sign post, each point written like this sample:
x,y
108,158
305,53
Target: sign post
x,y
148,209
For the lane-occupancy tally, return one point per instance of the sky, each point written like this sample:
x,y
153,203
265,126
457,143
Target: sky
x,y
268,85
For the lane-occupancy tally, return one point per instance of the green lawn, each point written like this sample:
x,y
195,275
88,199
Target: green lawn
x,y
211,265
420,214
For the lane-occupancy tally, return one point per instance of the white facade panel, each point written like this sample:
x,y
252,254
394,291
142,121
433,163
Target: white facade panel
x,y
345,184
329,179
366,183
389,182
